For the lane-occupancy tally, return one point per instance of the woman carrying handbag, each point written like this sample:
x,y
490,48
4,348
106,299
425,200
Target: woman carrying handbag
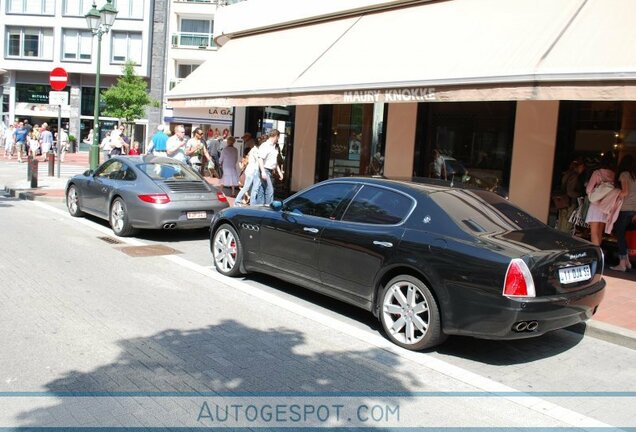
x,y
596,217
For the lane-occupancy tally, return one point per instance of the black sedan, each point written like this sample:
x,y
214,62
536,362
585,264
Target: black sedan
x,y
427,260
144,192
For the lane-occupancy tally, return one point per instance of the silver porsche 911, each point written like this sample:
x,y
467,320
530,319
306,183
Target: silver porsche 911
x,y
134,192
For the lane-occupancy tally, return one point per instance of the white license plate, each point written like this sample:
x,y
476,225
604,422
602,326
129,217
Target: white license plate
x,y
574,274
197,215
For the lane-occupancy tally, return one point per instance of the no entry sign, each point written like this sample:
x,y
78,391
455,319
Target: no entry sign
x,y
58,79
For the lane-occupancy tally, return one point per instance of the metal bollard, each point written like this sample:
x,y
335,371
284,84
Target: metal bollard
x,y
51,164
34,173
29,159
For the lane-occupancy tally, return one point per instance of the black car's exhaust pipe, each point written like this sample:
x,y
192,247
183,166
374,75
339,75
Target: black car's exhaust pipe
x,y
523,326
520,326
169,226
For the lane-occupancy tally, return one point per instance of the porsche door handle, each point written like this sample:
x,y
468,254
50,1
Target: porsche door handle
x,y
383,244
311,230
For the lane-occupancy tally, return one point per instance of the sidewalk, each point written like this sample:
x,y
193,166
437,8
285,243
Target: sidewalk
x,y
615,320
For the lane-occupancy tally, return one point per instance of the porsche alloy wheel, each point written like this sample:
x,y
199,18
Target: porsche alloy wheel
x,y
119,219
72,202
227,251
409,314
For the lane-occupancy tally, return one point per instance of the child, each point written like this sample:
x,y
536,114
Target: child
x,y
134,151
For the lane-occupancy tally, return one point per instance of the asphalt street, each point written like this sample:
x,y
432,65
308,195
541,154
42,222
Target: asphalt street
x,y
92,336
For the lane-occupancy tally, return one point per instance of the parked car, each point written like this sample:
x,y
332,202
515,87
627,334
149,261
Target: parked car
x,y
427,260
144,192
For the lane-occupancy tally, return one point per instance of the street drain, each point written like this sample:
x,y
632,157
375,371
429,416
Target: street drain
x,y
147,251
109,240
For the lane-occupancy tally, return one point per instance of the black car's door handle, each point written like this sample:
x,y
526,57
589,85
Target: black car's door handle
x,y
383,244
311,230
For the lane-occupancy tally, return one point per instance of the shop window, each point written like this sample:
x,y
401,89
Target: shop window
x,y
472,141
350,140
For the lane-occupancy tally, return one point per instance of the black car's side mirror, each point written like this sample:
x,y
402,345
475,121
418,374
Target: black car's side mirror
x,y
276,205
88,172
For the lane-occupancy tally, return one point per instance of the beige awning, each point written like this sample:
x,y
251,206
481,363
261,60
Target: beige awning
x,y
434,51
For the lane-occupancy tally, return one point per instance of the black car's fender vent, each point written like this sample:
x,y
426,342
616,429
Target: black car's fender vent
x,y
186,186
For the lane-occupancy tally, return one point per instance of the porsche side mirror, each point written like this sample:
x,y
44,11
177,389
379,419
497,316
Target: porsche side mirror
x,y
276,205
88,172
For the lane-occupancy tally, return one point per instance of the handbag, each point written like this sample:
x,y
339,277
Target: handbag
x,y
600,191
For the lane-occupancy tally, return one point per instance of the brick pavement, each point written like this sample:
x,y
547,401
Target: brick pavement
x,y
615,321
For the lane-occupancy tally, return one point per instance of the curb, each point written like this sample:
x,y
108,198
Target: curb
x,y
607,332
30,196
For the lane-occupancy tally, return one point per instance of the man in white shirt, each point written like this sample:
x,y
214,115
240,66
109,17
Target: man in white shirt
x,y
268,163
176,144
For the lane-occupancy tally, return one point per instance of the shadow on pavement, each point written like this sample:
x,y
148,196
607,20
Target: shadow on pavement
x,y
230,358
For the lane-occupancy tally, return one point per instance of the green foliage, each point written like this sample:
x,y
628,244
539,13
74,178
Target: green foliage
x,y
128,99
72,138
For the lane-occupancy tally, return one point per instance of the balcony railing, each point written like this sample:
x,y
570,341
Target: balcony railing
x,y
193,40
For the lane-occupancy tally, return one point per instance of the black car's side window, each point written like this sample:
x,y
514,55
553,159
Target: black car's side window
x,y
321,201
379,206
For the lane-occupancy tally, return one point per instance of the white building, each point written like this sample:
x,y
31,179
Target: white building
x,y
191,26
38,36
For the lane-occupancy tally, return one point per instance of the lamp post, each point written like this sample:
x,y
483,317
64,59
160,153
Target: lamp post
x,y
100,23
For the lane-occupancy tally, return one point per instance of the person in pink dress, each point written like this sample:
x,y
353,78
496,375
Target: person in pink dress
x,y
596,217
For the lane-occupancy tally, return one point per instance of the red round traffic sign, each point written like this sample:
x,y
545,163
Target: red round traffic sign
x,y
58,78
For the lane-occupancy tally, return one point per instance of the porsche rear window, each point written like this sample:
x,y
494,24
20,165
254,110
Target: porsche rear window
x,y
168,171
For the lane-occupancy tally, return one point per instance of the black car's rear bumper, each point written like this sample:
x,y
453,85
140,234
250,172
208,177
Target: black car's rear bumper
x,y
500,321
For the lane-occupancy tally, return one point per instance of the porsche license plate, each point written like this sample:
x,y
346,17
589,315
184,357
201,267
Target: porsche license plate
x,y
574,274
197,215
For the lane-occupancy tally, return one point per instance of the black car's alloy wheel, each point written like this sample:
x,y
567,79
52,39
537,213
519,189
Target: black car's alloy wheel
x,y
72,202
409,314
119,218
227,251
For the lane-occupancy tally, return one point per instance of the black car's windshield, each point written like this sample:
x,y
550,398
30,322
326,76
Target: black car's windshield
x,y
480,211
168,171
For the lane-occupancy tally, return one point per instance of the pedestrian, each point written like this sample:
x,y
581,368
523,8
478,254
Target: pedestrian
x,y
248,141
571,189
596,217
228,161
627,183
158,142
125,139
20,134
3,137
46,141
64,143
437,168
106,146
34,144
175,147
214,149
196,150
251,171
9,143
134,149
268,163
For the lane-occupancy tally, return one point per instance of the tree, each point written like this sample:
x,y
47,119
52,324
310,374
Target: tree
x,y
128,99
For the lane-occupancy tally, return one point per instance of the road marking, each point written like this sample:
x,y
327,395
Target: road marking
x,y
472,379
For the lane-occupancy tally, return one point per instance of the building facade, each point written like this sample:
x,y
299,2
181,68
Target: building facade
x,y
374,87
38,36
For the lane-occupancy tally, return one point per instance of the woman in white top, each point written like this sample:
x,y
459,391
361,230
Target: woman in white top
x,y
106,146
9,141
595,217
251,173
229,160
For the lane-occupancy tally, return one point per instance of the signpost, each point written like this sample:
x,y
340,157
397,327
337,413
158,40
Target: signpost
x,y
58,78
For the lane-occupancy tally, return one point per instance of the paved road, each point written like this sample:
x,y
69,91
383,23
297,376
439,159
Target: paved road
x,y
166,341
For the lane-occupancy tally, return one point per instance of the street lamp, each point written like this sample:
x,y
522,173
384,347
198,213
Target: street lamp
x,y
100,23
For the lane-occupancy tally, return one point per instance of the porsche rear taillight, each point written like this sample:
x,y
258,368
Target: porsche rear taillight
x,y
518,282
221,197
155,198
